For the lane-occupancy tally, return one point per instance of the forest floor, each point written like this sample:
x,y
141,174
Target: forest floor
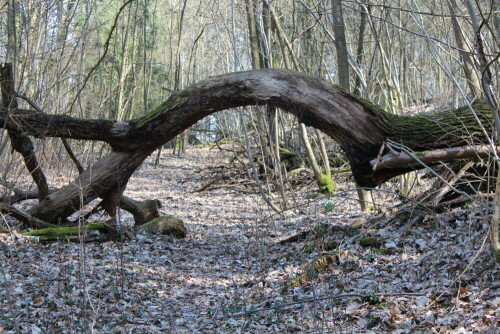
x,y
229,274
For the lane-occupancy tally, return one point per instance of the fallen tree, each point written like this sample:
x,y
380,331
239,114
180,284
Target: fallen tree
x,y
361,128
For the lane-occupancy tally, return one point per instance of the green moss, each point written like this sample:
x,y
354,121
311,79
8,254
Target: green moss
x,y
330,245
312,196
369,242
294,172
497,255
380,251
297,281
448,128
328,206
422,153
419,132
284,151
322,262
350,266
165,225
381,305
320,230
326,184
337,159
290,159
172,102
63,233
225,142
308,248
342,170
55,231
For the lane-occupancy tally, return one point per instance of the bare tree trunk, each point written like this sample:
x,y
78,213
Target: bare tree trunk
x,y
258,63
365,196
21,143
324,180
359,50
464,51
487,83
341,44
11,47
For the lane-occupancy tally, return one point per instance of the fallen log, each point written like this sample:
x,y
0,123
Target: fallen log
x,y
88,233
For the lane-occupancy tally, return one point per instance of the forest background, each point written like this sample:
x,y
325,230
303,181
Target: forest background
x,y
118,60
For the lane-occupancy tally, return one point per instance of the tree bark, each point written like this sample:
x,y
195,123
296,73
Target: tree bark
x,y
464,50
360,127
340,44
107,178
143,211
19,142
364,195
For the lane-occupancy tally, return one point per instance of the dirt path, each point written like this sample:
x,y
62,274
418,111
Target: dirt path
x,y
232,263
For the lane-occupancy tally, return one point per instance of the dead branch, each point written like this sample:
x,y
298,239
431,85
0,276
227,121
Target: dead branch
x,y
23,216
395,159
332,297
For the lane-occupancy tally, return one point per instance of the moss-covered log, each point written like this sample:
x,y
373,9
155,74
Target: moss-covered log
x,y
360,128
164,225
448,128
326,183
89,232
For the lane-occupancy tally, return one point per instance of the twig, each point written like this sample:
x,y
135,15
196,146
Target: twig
x,y
30,102
410,153
469,265
451,183
72,155
332,297
462,199
208,184
19,194
209,321
171,91
380,152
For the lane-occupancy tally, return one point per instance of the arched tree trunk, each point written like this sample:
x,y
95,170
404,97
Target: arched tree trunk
x,y
360,127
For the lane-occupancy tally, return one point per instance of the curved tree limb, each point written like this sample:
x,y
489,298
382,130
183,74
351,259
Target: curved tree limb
x,y
358,126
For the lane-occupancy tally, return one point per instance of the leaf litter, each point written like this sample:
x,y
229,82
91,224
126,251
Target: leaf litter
x,y
229,275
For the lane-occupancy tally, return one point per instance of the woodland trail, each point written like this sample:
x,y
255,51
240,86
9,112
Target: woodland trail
x,y
232,262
